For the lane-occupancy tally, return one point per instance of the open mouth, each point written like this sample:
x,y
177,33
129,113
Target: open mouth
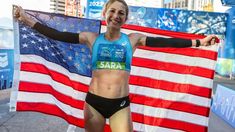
x,y
115,22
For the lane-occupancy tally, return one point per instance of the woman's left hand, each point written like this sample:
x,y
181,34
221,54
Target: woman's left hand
x,y
208,40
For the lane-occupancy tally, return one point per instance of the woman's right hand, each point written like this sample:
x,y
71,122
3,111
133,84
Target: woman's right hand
x,y
20,15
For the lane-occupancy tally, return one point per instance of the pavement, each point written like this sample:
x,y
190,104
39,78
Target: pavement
x,y
38,122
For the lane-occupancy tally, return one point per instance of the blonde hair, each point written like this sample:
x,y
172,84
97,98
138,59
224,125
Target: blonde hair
x,y
110,2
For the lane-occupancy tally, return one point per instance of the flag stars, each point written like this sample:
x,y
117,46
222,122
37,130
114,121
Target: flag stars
x,y
86,27
63,52
93,24
2,76
40,48
25,45
76,53
52,54
33,42
46,47
24,36
89,66
83,50
83,60
24,29
63,60
70,58
32,34
72,26
89,56
52,46
77,65
65,30
39,40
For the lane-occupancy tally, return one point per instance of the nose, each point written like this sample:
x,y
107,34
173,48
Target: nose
x,y
115,15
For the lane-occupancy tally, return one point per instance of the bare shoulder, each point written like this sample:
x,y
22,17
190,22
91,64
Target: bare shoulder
x,y
137,39
87,38
89,34
134,35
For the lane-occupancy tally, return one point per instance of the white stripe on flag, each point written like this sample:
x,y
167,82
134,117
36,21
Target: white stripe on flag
x,y
49,99
46,79
174,58
171,96
139,127
171,76
170,114
54,67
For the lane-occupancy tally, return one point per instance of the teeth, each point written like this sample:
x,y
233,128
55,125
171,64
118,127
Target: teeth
x,y
115,22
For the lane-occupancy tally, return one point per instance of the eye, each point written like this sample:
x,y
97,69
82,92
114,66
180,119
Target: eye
x,y
112,11
122,13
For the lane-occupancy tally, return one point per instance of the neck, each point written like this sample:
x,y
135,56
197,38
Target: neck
x,y
112,34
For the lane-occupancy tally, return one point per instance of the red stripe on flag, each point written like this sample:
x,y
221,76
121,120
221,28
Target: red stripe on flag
x,y
39,68
172,67
192,52
51,110
174,105
168,123
170,86
43,88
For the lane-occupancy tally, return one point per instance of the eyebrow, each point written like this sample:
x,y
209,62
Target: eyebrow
x,y
123,11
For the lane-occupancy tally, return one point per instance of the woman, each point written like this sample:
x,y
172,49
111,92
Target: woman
x,y
109,89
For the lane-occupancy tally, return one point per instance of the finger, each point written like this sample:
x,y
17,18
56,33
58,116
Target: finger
x,y
215,38
212,41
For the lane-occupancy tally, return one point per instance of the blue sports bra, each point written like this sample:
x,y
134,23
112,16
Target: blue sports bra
x,y
113,55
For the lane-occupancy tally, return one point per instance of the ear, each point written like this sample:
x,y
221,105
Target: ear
x,y
103,13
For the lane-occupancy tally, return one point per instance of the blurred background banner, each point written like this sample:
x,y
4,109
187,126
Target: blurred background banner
x,y
229,47
94,9
228,2
224,104
226,61
197,22
6,68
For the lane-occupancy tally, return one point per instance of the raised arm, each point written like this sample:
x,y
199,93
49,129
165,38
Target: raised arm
x,y
52,33
142,40
179,43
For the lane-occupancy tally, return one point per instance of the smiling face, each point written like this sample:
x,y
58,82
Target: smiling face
x,y
115,13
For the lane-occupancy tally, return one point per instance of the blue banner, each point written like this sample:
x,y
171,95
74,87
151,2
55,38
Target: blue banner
x,y
224,104
228,50
6,68
197,22
143,16
94,9
228,2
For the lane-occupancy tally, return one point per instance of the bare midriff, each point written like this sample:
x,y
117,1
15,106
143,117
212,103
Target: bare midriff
x,y
110,83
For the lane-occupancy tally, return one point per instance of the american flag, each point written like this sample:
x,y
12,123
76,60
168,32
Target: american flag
x,y
170,88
